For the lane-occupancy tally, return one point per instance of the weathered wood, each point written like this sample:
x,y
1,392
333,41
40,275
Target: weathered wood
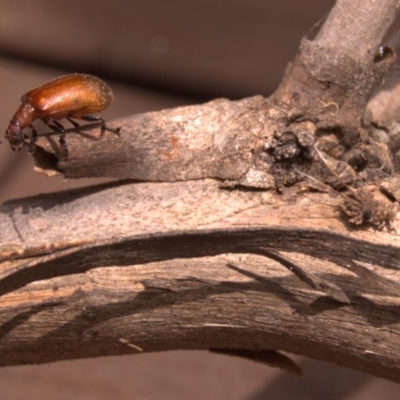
x,y
190,285
179,144
206,264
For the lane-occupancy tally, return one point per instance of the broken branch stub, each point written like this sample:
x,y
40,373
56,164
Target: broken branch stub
x,y
256,142
185,143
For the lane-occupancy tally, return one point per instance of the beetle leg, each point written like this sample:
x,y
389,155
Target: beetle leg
x,y
104,127
34,136
63,145
74,123
31,144
55,126
61,139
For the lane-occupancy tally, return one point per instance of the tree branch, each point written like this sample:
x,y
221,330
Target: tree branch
x,y
203,264
357,27
153,279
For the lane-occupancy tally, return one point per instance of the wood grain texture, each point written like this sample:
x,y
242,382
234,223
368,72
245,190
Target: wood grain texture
x,y
188,285
130,267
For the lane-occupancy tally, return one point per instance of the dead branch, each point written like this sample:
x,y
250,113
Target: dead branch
x,y
123,268
207,263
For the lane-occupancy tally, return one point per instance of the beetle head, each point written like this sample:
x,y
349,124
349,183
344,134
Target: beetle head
x,y
21,120
14,135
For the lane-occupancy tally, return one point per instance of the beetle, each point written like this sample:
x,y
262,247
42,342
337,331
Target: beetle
x,y
73,96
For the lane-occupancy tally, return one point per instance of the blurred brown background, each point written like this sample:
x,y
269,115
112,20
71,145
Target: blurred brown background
x,y
157,54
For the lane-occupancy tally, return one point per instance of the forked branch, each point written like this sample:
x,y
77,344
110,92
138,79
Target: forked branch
x,y
197,263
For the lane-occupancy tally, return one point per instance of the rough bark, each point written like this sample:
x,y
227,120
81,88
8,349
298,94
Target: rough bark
x,y
222,263
151,276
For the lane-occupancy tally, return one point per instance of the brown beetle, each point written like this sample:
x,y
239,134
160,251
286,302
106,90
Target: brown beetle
x,y
68,96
